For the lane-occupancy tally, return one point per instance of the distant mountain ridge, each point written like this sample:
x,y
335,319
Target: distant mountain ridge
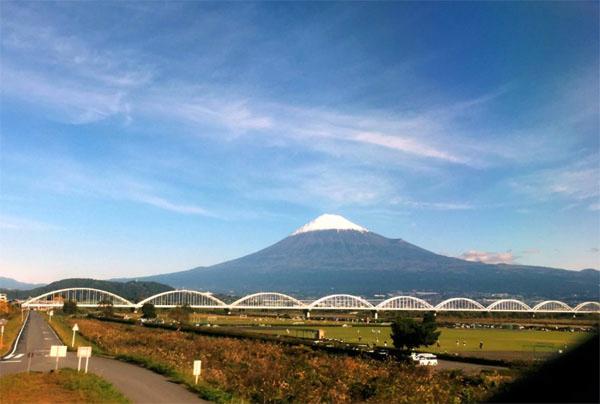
x,y
334,255
133,290
9,283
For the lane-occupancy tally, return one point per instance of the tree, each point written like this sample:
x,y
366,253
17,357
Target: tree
x,y
408,334
181,314
429,332
106,306
148,311
69,307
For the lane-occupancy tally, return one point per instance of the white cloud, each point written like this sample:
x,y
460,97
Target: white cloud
x,y
488,257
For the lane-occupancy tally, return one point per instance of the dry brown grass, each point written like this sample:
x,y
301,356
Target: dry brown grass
x,y
269,372
65,386
12,328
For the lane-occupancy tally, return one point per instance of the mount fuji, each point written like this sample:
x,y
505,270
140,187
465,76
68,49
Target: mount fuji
x,y
333,255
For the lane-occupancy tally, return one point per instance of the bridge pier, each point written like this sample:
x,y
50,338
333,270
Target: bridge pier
x,y
375,315
307,314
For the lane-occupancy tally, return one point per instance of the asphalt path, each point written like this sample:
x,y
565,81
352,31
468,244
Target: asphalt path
x,y
470,368
138,384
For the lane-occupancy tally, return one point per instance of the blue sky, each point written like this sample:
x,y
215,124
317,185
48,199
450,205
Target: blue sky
x,y
148,137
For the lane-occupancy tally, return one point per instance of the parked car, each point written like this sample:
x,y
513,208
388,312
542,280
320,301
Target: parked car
x,y
424,359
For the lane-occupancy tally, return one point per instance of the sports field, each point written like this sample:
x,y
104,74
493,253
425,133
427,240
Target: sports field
x,y
468,338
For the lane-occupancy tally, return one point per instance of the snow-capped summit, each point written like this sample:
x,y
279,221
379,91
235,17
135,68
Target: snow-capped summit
x,y
329,222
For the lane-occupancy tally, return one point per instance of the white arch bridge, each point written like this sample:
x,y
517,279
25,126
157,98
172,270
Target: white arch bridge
x,y
89,297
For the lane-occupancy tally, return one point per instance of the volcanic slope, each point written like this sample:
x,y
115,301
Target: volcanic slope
x,y
333,255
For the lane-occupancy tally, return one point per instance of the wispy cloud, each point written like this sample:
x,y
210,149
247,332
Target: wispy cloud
x,y
411,146
65,100
574,182
24,224
165,204
432,205
65,176
113,68
323,186
80,83
488,257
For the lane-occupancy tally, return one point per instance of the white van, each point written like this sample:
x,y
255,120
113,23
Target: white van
x,y
424,359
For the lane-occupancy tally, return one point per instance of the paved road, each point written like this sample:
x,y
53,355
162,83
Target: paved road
x,y
470,368
136,383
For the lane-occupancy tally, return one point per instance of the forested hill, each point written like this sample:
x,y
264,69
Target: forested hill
x,y
133,291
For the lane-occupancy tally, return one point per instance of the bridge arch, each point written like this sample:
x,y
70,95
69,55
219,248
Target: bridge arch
x,y
181,297
334,302
404,303
508,305
460,304
267,300
552,305
85,297
587,307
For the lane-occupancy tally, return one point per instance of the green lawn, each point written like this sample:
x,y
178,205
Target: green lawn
x,y
493,339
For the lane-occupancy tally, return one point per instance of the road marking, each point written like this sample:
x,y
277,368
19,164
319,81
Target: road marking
x,y
47,338
19,356
9,356
10,362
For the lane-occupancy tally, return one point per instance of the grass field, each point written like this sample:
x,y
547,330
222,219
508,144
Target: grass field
x,y
340,318
65,386
468,338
